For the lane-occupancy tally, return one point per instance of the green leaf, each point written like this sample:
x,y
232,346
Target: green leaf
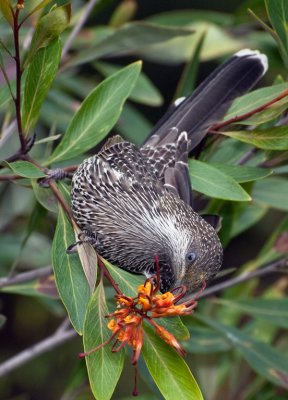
x,y
272,192
278,15
40,287
212,182
283,169
228,151
104,367
175,326
26,169
129,38
255,99
267,139
127,282
268,251
205,341
6,10
168,369
185,17
275,311
5,94
70,279
217,43
144,91
250,216
123,13
39,6
48,139
242,173
48,28
40,75
133,126
45,196
265,360
98,114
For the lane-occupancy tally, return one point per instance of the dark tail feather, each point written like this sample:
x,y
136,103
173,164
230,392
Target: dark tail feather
x,y
211,100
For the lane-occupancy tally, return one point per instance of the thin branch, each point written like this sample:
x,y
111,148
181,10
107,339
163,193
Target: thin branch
x,y
77,28
278,266
64,325
247,156
108,275
25,276
34,351
61,199
230,121
10,177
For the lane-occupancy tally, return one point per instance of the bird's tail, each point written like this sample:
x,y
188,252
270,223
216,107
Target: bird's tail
x,y
211,100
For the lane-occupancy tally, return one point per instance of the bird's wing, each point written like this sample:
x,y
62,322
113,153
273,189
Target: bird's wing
x,y
211,100
170,165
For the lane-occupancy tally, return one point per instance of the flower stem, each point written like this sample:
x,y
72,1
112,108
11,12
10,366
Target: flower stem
x,y
108,275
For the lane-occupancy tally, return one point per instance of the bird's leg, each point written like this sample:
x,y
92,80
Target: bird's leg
x,y
84,237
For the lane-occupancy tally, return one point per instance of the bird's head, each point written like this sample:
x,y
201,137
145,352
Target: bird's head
x,y
195,251
201,259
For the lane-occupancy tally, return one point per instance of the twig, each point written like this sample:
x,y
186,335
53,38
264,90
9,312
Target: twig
x,y
278,266
108,275
25,276
61,199
77,28
10,177
247,156
34,351
64,325
230,121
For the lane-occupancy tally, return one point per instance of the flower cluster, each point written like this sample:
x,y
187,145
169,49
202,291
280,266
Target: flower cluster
x,y
127,321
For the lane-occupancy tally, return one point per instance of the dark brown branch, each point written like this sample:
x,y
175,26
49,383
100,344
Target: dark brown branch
x,y
17,99
25,276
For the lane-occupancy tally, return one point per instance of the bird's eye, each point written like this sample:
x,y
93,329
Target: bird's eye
x,y
191,256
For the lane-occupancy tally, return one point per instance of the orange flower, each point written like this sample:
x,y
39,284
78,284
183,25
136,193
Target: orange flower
x,y
127,320
164,300
147,288
170,339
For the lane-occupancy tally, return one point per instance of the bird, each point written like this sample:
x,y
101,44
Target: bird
x,y
134,203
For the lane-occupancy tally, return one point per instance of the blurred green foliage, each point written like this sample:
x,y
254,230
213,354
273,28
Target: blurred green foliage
x,y
72,88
